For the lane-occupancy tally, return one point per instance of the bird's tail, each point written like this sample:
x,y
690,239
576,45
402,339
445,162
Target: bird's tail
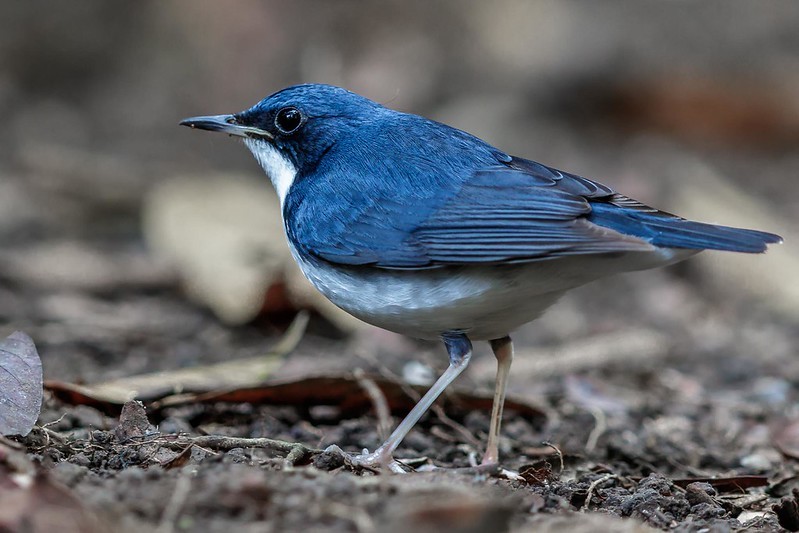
x,y
663,229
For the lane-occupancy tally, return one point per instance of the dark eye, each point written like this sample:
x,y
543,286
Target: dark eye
x,y
288,120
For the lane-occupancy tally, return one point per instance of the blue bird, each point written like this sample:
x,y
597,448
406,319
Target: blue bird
x,y
426,230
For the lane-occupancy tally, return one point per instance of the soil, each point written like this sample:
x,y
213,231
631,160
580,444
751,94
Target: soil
x,y
687,434
660,400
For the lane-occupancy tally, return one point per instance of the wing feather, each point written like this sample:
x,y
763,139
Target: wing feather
x,y
505,213
509,212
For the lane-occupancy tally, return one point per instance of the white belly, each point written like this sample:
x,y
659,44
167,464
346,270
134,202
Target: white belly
x,y
485,302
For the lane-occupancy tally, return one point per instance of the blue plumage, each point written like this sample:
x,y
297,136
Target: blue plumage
x,y
398,191
666,230
424,229
493,210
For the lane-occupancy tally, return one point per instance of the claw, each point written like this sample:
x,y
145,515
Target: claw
x,y
377,460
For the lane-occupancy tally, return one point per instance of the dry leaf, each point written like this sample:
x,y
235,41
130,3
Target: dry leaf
x,y
342,390
20,384
107,396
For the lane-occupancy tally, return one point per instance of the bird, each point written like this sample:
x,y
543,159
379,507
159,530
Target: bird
x,y
428,231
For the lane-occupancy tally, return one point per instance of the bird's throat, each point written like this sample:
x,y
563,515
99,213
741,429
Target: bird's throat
x,y
279,168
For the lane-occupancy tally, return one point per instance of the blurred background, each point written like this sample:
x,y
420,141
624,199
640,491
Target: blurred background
x,y
129,244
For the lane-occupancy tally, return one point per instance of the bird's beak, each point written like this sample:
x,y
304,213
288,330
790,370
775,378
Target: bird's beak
x,y
226,124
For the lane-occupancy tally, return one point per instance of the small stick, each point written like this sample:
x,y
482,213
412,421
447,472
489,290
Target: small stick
x,y
557,452
593,487
599,428
384,423
294,451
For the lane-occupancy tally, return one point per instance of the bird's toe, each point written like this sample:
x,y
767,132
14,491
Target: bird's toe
x,y
376,461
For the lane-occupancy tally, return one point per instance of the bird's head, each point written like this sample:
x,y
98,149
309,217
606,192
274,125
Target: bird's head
x,y
290,131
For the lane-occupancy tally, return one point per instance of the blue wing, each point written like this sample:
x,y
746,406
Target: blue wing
x,y
512,211
522,213
670,231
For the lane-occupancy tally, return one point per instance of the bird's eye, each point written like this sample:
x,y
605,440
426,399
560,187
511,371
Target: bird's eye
x,y
288,120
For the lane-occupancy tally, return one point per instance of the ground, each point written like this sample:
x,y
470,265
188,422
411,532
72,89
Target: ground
x,y
641,398
662,400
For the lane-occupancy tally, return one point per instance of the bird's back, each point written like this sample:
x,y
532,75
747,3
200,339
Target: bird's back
x,y
410,193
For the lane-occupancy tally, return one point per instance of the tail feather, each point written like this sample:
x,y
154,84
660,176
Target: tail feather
x,y
662,229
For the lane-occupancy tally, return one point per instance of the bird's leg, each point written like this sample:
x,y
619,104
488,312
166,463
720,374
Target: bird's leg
x,y
459,349
503,351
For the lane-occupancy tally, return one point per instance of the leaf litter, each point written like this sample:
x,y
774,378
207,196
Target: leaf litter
x,y
20,384
663,422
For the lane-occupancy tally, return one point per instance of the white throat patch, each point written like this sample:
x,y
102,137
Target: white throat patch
x,y
279,169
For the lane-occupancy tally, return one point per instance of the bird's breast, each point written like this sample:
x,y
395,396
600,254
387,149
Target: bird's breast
x,y
484,301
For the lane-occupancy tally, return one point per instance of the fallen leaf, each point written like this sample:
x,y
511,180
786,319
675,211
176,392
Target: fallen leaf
x,y
343,391
180,460
20,384
108,396
244,381
149,387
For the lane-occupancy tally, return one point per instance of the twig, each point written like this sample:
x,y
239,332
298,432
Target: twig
x,y
54,435
593,487
415,396
384,422
557,452
295,452
56,421
293,335
459,428
296,455
599,428
50,436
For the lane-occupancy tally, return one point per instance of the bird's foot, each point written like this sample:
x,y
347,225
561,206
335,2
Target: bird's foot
x,y
377,460
490,459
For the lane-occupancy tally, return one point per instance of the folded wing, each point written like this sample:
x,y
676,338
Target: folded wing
x,y
519,211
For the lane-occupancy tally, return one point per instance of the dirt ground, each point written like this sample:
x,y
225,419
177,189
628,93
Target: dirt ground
x,y
661,400
689,433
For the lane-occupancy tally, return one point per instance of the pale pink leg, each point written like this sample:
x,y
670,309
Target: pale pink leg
x,y
460,352
503,351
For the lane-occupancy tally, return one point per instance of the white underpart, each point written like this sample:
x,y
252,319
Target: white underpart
x,y
277,166
486,302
